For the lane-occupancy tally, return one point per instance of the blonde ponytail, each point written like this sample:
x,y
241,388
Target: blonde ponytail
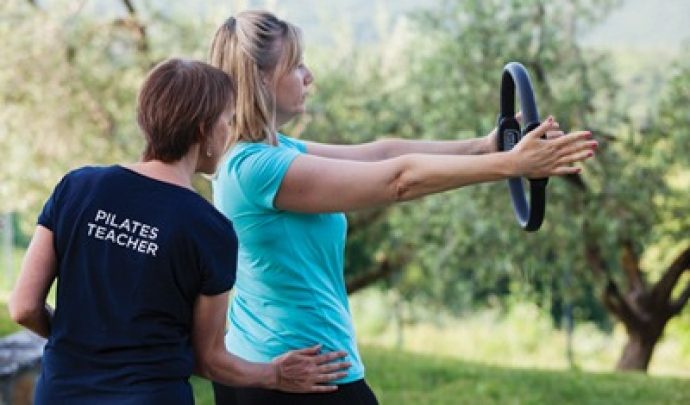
x,y
254,47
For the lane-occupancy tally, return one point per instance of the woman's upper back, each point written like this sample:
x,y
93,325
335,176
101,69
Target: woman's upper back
x,y
133,254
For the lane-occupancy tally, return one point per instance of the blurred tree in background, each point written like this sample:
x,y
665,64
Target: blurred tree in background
x,y
462,248
69,76
615,240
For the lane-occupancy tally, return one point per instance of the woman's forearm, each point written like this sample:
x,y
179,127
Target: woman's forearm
x,y
228,369
213,361
390,148
532,157
303,370
424,174
314,184
27,303
393,147
324,185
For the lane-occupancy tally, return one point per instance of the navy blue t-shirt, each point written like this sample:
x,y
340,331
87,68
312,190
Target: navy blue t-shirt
x,y
133,254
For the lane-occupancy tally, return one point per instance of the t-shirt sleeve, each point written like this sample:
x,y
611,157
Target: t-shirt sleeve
x,y
295,143
219,259
48,214
261,173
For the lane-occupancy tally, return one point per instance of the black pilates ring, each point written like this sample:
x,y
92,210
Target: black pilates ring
x,y
515,77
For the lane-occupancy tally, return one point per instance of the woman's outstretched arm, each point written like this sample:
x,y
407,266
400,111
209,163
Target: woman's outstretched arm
x,y
317,184
392,147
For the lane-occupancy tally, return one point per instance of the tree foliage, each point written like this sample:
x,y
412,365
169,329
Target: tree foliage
x,y
70,72
69,77
463,247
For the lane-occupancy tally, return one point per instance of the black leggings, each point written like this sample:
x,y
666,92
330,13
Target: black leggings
x,y
354,393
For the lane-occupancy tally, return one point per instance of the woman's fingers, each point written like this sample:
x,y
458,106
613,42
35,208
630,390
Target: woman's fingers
x,y
555,154
575,157
306,370
573,137
547,125
328,377
329,357
329,368
309,351
554,134
563,170
320,358
576,148
565,164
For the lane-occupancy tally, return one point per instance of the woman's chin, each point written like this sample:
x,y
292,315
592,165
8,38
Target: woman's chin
x,y
297,112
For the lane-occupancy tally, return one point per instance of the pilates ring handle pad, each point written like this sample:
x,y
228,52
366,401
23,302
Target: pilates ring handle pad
x,y
515,77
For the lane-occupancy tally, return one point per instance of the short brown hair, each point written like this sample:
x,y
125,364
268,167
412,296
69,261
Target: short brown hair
x,y
178,104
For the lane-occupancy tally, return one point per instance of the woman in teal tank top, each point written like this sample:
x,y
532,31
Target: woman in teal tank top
x,y
286,201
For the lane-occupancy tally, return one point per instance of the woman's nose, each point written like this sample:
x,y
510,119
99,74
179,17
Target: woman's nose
x,y
308,77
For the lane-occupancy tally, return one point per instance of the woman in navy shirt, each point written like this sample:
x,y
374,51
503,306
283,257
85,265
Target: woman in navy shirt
x,y
144,264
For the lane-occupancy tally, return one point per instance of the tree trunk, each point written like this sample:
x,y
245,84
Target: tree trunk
x,y
644,323
644,309
385,267
637,353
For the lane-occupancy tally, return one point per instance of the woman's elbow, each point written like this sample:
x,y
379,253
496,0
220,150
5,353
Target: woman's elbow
x,y
22,312
398,183
206,365
404,186
203,370
388,148
401,191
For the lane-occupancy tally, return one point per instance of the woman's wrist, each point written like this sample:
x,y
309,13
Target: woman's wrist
x,y
276,375
512,166
489,143
272,380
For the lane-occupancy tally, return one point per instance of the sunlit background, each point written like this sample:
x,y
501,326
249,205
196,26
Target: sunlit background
x,y
450,276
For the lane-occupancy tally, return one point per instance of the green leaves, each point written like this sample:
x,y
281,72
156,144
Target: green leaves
x,y
69,77
444,85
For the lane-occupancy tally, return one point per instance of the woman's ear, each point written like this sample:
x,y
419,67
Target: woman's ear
x,y
203,141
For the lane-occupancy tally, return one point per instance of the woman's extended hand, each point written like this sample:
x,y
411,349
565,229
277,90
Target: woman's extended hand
x,y
491,140
536,157
306,370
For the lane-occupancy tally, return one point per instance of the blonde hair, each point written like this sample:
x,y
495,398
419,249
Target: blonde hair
x,y
252,47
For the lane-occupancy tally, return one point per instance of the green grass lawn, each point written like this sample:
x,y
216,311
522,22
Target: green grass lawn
x,y
403,378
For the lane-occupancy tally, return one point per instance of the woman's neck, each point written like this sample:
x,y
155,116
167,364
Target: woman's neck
x,y
178,173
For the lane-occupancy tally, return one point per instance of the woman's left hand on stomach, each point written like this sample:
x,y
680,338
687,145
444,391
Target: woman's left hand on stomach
x,y
308,371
